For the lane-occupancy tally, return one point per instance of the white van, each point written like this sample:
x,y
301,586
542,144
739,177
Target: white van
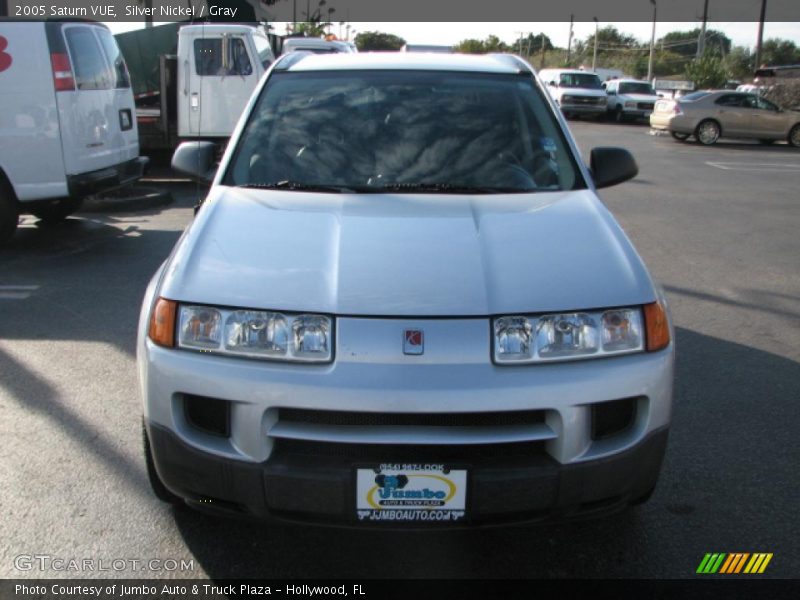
x,y
576,92
219,66
67,127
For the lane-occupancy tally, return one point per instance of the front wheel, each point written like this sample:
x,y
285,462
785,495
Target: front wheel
x,y
681,137
57,211
794,136
707,132
619,115
9,213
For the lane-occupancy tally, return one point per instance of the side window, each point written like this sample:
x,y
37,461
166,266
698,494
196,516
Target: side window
x,y
221,57
264,50
115,58
91,70
730,100
764,104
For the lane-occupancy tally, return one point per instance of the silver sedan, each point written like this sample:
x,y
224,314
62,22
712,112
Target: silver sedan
x,y
710,116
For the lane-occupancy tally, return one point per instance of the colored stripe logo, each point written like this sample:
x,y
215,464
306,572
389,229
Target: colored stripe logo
x,y
734,563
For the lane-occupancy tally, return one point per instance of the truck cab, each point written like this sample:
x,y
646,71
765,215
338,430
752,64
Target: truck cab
x,y
576,92
218,69
630,99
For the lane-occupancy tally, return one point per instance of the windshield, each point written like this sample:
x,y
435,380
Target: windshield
x,y
636,88
404,131
580,80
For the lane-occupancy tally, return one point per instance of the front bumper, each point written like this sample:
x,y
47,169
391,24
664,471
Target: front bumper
x,y
320,488
374,404
107,179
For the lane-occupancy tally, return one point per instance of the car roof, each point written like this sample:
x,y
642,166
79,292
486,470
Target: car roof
x,y
490,63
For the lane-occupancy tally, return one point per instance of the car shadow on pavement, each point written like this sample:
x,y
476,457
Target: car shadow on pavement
x,y
85,277
720,489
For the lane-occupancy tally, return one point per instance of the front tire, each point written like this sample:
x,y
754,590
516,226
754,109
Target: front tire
x,y
619,115
58,210
159,489
708,132
794,136
9,212
681,137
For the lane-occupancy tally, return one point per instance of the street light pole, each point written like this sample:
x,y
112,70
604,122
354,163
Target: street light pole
x,y
594,58
652,44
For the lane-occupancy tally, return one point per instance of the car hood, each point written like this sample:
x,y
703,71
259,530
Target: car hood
x,y
406,255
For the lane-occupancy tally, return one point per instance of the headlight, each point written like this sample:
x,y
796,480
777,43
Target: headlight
x,y
567,336
566,99
256,333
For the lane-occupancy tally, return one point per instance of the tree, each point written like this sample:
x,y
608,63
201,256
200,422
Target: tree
x,y
685,42
739,63
490,44
609,37
707,72
371,41
779,52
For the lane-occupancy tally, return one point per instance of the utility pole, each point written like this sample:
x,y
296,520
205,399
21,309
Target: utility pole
x,y
569,43
701,41
652,44
596,30
519,42
760,32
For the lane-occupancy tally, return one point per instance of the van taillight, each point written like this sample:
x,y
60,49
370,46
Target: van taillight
x,y
62,72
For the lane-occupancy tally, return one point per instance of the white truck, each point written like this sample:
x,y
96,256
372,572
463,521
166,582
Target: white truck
x,y
576,92
67,127
198,92
630,99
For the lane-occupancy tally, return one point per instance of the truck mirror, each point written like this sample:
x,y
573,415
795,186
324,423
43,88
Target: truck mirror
x,y
196,159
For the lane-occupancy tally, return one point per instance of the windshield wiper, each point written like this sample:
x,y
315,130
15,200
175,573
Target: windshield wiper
x,y
298,186
443,188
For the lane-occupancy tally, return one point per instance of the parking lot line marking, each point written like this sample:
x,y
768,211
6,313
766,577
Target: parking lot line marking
x,y
17,292
748,166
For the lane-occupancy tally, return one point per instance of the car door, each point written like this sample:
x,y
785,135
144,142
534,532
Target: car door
x,y
733,114
221,76
769,122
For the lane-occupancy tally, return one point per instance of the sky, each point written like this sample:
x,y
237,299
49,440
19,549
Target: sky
x,y
742,34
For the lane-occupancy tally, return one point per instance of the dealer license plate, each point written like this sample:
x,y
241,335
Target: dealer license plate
x,y
411,493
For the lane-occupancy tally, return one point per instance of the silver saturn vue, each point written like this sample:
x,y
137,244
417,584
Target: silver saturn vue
x,y
402,302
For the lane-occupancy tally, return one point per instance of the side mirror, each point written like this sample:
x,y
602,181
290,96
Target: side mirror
x,y
611,166
196,159
552,84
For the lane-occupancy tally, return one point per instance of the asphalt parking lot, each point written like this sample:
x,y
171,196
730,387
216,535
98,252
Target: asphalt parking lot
x,y
718,227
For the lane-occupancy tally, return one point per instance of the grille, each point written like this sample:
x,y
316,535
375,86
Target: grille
x,y
366,419
377,453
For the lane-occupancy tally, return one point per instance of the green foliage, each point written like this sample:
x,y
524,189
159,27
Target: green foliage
x,y
685,42
310,29
707,72
371,41
490,44
739,63
779,52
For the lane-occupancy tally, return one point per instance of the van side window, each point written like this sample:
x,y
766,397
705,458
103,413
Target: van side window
x,y
91,70
209,58
115,58
264,50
